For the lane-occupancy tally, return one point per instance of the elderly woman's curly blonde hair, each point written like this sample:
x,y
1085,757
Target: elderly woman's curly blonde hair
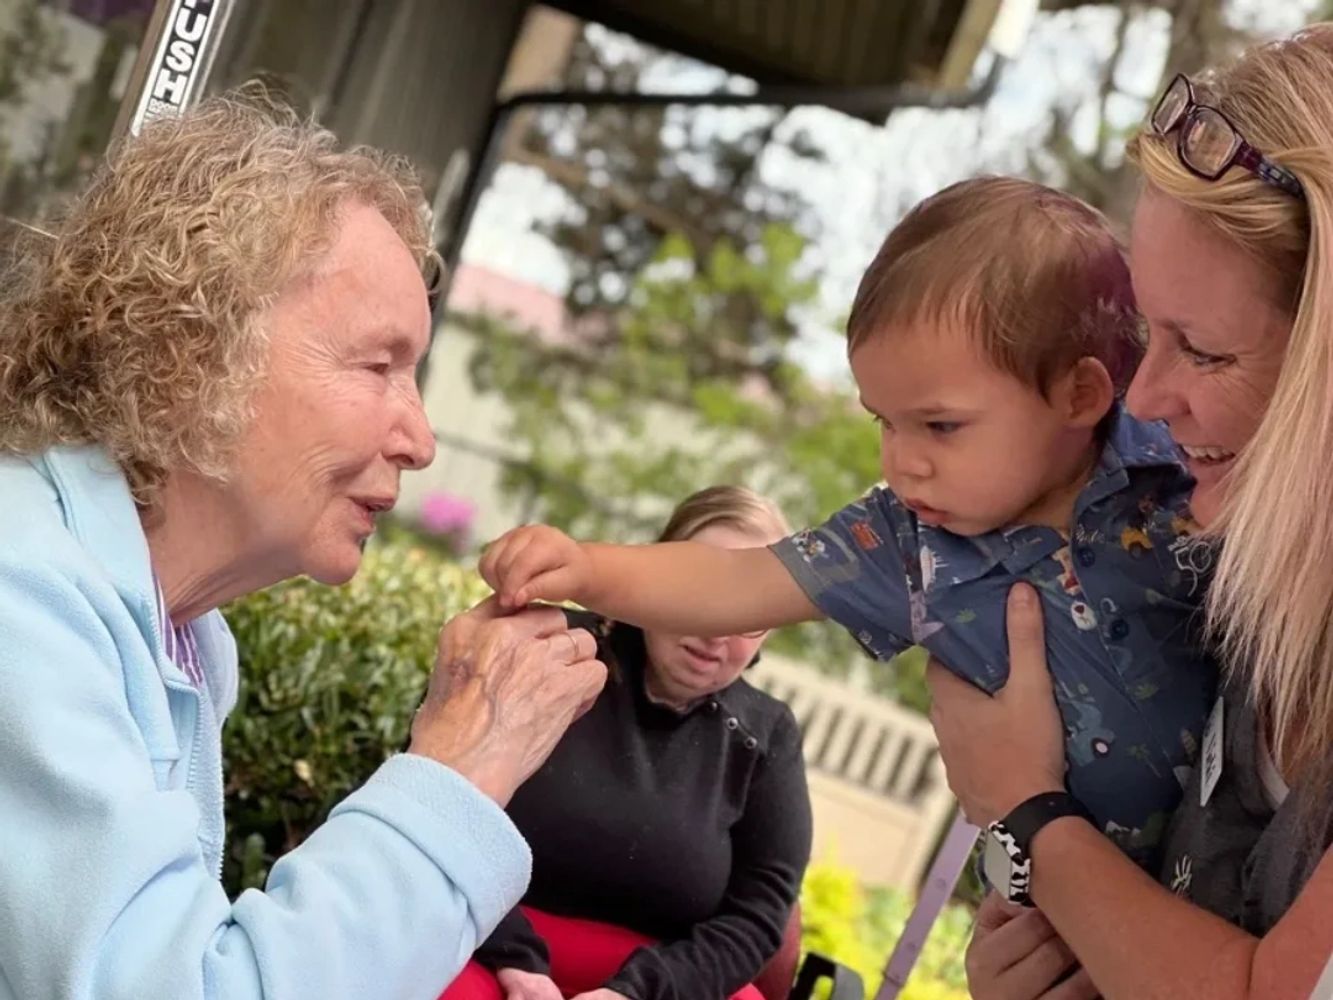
x,y
137,328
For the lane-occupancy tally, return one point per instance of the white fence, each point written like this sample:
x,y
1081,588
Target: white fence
x,y
876,782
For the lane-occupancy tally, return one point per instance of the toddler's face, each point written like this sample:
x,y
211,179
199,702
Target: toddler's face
x,y
968,447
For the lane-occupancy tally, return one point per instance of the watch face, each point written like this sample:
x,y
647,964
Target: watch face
x,y
997,865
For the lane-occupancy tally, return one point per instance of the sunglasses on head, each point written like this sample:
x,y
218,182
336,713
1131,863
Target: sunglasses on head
x,y
1208,144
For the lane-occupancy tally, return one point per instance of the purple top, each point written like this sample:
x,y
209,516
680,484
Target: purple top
x,y
180,643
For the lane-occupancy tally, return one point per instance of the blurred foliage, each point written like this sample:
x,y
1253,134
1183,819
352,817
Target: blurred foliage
x,y
859,927
614,434
64,111
31,48
636,174
330,679
1200,33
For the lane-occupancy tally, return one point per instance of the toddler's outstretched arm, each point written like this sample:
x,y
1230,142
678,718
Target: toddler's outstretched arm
x,y
688,588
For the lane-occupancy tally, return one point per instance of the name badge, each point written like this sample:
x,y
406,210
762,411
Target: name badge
x,y
1211,761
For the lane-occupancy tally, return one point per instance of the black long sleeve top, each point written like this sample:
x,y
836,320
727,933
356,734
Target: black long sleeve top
x,y
689,827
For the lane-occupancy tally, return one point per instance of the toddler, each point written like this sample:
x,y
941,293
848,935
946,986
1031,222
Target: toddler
x,y
990,340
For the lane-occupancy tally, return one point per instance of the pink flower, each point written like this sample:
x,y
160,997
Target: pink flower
x,y
447,514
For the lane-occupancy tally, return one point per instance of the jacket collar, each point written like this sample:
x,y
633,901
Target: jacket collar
x,y
100,512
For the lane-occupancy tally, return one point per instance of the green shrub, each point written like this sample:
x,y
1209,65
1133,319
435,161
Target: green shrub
x,y
330,678
859,927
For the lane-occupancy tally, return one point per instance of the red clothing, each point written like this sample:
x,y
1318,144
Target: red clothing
x,y
584,955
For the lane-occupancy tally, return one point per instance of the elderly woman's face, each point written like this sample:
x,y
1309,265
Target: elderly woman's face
x,y
339,417
684,668
1216,338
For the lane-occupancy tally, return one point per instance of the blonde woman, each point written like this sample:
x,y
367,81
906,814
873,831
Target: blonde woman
x,y
1232,259
671,826
207,386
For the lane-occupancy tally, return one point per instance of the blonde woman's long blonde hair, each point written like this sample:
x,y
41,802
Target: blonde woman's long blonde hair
x,y
1271,605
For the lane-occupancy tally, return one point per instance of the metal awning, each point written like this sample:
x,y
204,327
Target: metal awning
x,y
836,43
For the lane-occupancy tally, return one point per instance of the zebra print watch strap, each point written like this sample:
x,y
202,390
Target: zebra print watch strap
x,y
1008,867
1012,838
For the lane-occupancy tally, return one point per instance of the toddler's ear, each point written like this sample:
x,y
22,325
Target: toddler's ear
x,y
1086,393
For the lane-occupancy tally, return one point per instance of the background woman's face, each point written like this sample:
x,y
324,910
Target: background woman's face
x,y
682,669
1217,332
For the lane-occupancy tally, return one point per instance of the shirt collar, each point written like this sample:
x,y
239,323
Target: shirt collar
x,y
1130,444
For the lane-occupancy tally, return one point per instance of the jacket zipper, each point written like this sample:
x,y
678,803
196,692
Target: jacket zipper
x,y
192,769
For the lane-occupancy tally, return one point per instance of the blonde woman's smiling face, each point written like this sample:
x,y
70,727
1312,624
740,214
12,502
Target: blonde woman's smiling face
x,y
1217,333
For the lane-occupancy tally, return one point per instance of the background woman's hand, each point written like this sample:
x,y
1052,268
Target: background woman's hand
x,y
537,563
1001,750
504,690
1015,954
520,985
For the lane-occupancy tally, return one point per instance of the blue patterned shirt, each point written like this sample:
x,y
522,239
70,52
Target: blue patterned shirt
x,y
1121,592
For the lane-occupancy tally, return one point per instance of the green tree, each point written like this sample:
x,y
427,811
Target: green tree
x,y
1201,34
639,176
32,49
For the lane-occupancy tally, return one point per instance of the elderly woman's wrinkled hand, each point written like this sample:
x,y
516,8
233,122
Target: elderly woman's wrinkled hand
x,y
504,690
521,985
1001,750
537,563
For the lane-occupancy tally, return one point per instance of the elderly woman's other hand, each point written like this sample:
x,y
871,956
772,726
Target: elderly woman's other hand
x,y
521,985
1015,954
504,690
1000,751
602,994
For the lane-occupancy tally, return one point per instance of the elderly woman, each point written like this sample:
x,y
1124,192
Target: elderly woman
x,y
1232,259
206,386
671,826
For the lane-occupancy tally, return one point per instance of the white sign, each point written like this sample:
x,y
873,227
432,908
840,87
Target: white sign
x,y
180,61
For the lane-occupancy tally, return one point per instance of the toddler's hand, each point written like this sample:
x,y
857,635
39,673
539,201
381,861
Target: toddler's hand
x,y
536,563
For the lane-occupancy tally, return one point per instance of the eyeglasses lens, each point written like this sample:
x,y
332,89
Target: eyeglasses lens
x,y
1209,142
1171,107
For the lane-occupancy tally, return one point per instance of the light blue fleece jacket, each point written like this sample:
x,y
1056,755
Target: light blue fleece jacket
x,y
111,828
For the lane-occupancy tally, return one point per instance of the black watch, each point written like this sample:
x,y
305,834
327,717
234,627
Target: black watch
x,y
1006,859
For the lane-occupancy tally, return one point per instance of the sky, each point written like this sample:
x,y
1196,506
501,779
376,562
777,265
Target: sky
x,y
873,172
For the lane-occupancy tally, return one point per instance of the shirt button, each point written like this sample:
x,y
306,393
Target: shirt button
x,y
712,706
1119,629
751,743
1086,557
733,723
